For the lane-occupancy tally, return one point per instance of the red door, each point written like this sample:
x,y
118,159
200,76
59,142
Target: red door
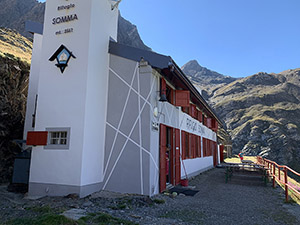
x,y
162,155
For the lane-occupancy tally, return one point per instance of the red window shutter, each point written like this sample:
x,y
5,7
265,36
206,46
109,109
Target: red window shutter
x,y
36,138
205,121
162,164
177,157
182,98
200,116
183,144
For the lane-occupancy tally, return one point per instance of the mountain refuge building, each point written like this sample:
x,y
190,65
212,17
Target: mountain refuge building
x,y
105,116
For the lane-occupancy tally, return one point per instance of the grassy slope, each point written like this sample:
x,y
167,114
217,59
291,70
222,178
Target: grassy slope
x,y
14,45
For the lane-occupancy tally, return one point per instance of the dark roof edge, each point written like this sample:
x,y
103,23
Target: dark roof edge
x,y
34,27
154,59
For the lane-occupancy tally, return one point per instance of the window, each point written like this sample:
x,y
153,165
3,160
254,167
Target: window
x,y
193,111
204,120
200,116
185,110
58,138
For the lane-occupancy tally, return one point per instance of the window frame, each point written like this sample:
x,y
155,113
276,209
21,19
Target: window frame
x,y
58,146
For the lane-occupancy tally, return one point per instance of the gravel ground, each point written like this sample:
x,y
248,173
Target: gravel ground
x,y
241,201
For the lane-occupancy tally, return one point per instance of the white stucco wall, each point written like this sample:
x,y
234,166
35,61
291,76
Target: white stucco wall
x,y
78,97
194,166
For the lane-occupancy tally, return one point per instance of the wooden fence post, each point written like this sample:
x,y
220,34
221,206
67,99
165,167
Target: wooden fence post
x,y
274,175
286,182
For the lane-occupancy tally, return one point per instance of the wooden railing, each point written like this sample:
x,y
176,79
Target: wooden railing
x,y
279,173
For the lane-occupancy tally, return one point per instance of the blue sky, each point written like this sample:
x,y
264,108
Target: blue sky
x,y
233,37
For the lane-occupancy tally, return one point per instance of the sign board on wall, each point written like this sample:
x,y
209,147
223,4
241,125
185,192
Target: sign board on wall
x,y
66,15
194,126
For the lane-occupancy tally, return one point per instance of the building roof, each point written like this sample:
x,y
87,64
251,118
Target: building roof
x,y
168,67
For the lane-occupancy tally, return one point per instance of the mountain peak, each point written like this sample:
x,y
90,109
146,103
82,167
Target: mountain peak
x,y
203,75
192,64
192,67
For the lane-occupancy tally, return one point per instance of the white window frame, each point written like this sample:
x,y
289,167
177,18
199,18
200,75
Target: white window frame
x,y
58,146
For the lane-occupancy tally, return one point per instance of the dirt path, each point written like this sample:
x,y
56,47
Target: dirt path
x,y
241,201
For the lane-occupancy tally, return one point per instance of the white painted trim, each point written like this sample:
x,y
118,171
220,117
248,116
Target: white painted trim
x,y
140,137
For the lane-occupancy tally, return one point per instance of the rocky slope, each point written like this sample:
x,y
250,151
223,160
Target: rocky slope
x,y
261,111
15,52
